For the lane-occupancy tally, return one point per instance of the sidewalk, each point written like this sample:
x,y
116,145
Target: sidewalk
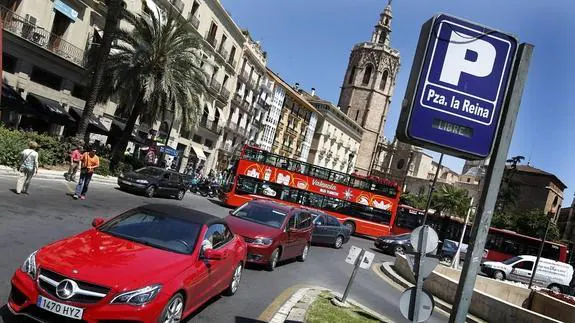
x,y
57,175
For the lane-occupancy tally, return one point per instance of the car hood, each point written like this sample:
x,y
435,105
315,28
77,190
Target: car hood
x,y
495,265
102,259
135,176
250,229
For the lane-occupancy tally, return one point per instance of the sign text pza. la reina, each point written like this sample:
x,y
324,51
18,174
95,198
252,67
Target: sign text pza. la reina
x,y
457,87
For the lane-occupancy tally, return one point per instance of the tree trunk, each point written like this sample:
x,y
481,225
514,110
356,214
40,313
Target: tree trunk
x,y
112,18
120,147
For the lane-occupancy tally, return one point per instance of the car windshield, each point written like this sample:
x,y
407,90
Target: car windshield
x,y
261,214
511,260
150,171
155,230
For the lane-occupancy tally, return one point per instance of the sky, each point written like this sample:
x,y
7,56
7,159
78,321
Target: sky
x,y
309,42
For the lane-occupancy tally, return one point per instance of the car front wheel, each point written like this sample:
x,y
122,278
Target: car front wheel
x,y
174,310
151,191
338,242
273,260
181,194
304,253
235,283
499,275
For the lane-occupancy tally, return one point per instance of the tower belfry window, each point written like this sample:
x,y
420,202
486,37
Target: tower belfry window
x,y
352,75
384,78
367,74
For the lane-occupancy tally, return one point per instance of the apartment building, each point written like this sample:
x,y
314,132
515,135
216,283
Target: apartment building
x,y
44,60
337,137
296,124
250,103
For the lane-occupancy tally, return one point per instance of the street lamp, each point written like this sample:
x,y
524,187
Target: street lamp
x,y
550,216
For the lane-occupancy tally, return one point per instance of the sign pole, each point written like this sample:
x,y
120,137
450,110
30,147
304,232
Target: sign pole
x,y
430,197
414,303
543,238
494,174
355,268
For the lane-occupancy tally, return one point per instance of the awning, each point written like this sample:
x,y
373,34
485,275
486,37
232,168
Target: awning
x,y
118,127
54,109
198,151
94,125
12,101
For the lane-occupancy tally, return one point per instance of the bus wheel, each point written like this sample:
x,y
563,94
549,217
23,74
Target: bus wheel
x,y
351,226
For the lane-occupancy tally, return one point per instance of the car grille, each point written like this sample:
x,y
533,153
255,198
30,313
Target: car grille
x,y
87,293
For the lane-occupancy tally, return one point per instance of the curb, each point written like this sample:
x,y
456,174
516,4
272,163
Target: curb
x,y
295,308
59,176
386,269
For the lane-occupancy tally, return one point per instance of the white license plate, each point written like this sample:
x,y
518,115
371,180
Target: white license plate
x,y
59,308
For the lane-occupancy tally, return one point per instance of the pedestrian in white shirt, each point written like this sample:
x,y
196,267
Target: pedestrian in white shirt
x,y
28,167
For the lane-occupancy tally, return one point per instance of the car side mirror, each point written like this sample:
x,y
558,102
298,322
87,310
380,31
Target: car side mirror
x,y
231,213
97,222
212,254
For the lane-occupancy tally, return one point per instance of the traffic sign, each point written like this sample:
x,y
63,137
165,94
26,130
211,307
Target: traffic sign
x,y
352,255
457,87
426,305
426,267
431,242
367,260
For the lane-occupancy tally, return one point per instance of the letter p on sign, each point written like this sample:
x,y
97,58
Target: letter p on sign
x,y
467,55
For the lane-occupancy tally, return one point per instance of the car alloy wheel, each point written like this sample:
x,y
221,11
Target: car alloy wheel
x,y
174,310
150,191
554,288
304,253
399,250
181,194
338,242
447,260
499,275
236,279
273,260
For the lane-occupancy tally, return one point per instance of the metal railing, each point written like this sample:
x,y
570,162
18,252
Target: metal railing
x,y
215,86
211,40
253,84
224,53
237,99
195,21
211,125
244,76
232,125
225,94
41,37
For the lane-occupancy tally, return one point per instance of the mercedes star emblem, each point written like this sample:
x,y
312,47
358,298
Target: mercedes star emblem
x,y
66,289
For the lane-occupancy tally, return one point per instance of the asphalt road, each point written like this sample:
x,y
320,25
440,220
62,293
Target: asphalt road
x,y
49,213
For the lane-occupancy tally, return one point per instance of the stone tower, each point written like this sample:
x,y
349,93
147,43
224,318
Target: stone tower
x,y
368,86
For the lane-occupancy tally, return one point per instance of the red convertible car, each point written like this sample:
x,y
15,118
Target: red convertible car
x,y
155,263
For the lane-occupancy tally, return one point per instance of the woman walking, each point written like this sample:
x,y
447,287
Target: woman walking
x,y
28,167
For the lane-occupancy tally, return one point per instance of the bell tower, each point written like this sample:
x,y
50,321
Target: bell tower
x,y
368,85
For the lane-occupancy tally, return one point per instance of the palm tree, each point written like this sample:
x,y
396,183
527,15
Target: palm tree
x,y
101,53
155,69
452,200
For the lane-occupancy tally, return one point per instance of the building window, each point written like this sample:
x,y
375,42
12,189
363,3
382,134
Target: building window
x,y
367,74
195,7
79,91
356,115
197,139
46,78
9,63
226,78
383,80
209,144
212,33
352,75
232,55
224,38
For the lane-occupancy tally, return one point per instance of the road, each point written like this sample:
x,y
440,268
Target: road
x,y
49,213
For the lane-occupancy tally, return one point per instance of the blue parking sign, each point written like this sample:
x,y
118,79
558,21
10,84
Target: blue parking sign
x,y
457,87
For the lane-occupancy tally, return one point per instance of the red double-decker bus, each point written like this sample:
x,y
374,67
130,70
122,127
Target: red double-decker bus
x,y
365,205
500,244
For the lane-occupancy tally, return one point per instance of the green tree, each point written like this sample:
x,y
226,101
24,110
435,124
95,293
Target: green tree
x,y
532,223
416,201
99,53
451,200
155,69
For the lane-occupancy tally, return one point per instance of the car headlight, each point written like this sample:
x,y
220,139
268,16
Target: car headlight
x,y
29,266
263,241
387,241
142,181
138,297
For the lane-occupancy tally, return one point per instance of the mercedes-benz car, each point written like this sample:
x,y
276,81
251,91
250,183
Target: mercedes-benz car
x,y
155,263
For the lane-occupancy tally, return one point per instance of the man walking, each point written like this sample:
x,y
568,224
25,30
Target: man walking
x,y
28,167
75,160
88,164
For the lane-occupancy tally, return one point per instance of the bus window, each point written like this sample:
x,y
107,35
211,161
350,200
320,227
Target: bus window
x,y
319,172
408,220
246,185
290,195
550,251
271,160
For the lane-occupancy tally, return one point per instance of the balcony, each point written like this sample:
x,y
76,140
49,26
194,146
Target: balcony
x,y
41,37
266,87
232,62
224,53
225,95
245,76
231,125
215,86
211,126
195,22
253,84
237,99
178,4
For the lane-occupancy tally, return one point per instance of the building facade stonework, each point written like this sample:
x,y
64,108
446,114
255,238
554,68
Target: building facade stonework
x,y
368,86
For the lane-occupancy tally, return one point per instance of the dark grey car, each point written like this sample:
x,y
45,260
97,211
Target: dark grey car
x,y
328,230
153,181
395,244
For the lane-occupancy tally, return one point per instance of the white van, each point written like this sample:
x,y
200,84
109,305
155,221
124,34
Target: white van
x,y
550,274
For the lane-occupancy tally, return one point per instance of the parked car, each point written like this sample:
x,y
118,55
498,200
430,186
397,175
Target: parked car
x,y
395,244
150,264
550,274
153,181
272,231
328,230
